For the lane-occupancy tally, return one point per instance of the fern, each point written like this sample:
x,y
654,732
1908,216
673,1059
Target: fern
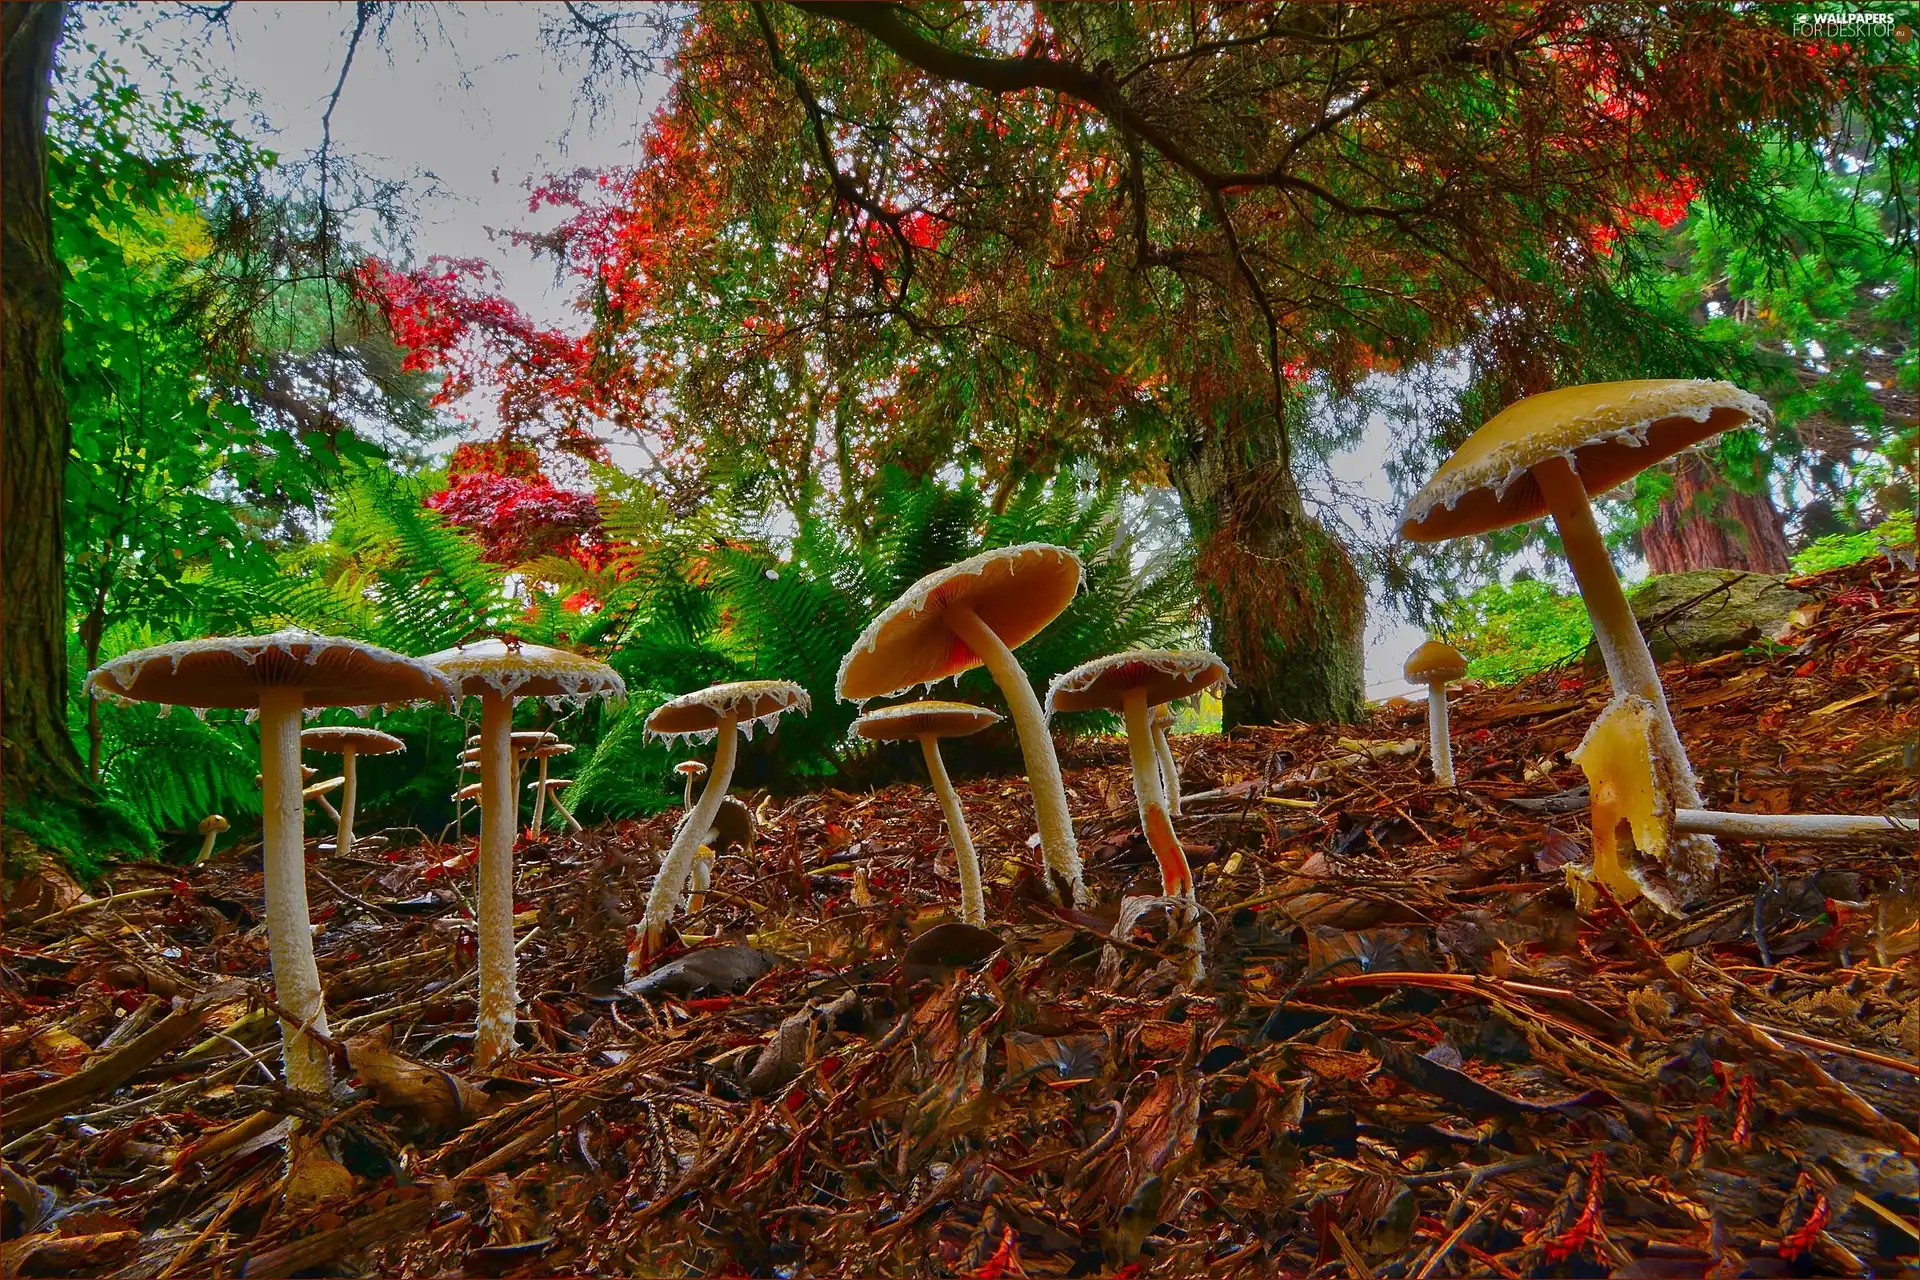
x,y
174,770
626,776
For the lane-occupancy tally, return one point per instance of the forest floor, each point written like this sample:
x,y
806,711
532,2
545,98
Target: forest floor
x,y
1412,1056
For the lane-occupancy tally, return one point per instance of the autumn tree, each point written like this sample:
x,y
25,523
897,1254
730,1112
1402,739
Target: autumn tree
x,y
1124,235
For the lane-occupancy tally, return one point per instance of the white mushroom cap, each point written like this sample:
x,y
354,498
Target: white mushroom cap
x,y
231,672
921,719
336,739
1166,675
1015,591
698,714
1608,432
527,671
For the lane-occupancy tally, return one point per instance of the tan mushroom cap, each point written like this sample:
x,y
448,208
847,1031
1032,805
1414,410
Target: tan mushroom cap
x,y
335,739
1435,662
748,701
469,792
690,768
525,740
1608,431
527,671
1166,674
231,672
322,788
549,750
212,822
921,719
552,784
733,825
1016,591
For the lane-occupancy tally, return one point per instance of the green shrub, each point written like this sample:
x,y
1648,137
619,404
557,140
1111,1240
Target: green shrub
x,y
1511,630
1837,549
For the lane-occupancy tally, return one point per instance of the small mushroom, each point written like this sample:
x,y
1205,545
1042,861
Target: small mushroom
x,y
210,826
1131,683
281,675
690,771
1547,455
1161,721
544,753
976,613
553,787
349,742
719,713
499,673
1436,664
928,722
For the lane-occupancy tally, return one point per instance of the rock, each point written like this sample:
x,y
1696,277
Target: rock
x,y
1704,612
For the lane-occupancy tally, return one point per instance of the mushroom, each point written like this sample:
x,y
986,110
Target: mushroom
x,y
732,829
691,771
1632,794
1161,721
1547,455
210,826
498,672
971,614
929,722
716,713
281,675
544,753
553,787
1131,683
1435,664
349,742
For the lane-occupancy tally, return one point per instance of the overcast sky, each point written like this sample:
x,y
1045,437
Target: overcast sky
x,y
466,100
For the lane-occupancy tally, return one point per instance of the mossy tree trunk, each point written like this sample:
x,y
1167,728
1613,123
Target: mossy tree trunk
x,y
1287,605
48,796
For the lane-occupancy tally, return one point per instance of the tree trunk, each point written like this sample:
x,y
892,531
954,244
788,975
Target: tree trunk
x,y
48,798
1287,606
1704,523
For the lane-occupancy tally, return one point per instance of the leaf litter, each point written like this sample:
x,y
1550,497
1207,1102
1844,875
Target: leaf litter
x,y
1413,1057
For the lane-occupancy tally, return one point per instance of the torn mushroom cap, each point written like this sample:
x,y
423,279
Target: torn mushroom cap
x,y
231,672
732,825
911,720
339,739
1015,591
1435,661
1626,779
1608,431
750,703
1166,674
528,671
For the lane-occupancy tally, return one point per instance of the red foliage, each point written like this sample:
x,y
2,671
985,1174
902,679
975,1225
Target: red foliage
x,y
521,517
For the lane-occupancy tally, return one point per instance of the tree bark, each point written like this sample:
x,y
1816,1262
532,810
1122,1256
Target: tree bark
x,y
1704,523
1287,605
47,795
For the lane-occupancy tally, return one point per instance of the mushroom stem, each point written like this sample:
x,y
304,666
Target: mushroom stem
x,y
206,846
493,903
343,842
1630,664
1169,769
540,797
1176,877
1036,748
973,903
1439,740
296,978
1803,828
670,883
573,823
700,879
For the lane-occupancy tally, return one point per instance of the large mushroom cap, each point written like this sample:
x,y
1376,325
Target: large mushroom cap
x,y
231,672
1166,674
338,738
1608,431
749,702
514,670
919,719
1435,662
1016,591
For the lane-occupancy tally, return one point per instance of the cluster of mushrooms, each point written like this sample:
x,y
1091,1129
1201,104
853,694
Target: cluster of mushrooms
x,y
1551,454
1544,455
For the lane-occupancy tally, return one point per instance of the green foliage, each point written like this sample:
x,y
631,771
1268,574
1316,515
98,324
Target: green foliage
x,y
1512,630
628,776
1838,549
